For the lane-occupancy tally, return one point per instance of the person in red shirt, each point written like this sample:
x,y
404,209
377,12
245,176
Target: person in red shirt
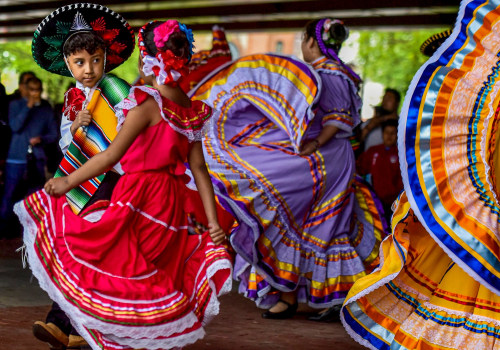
x,y
380,164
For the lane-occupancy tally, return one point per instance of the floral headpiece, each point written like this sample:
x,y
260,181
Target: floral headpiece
x,y
323,37
165,65
326,36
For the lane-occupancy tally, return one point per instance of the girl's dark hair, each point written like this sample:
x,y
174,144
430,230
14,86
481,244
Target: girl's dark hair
x,y
177,42
337,34
23,75
390,122
89,41
395,92
35,80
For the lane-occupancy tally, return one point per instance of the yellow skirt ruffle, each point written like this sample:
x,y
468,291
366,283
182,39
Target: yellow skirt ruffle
x,y
419,298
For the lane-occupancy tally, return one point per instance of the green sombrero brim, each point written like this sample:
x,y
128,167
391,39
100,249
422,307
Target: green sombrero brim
x,y
430,45
54,30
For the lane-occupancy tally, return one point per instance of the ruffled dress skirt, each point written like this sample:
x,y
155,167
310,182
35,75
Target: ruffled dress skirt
x,y
419,298
305,224
438,284
135,272
136,278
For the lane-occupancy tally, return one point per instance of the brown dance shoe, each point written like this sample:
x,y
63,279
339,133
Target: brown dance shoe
x,y
51,334
76,342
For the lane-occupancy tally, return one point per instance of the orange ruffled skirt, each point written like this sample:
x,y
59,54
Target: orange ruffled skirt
x,y
419,298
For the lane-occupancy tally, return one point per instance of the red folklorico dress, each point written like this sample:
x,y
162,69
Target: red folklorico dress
x,y
135,273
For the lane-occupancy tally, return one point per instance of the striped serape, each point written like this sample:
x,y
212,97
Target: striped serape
x,y
89,141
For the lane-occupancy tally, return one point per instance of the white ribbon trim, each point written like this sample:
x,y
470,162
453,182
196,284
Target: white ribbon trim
x,y
163,76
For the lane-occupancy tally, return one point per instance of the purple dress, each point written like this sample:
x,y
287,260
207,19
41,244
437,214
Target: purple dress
x,y
305,223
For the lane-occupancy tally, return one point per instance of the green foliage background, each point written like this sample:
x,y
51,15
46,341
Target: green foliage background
x,y
16,56
392,58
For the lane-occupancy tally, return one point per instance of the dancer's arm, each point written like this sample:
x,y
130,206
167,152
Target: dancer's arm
x,y
137,120
325,135
206,190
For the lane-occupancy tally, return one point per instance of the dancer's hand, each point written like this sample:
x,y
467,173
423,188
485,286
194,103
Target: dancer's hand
x,y
218,236
309,148
35,140
57,186
83,118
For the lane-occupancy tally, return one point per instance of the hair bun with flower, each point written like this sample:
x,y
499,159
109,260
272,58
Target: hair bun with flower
x,y
330,34
165,65
163,32
334,32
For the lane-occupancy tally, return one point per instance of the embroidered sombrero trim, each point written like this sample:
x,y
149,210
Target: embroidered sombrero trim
x,y
56,28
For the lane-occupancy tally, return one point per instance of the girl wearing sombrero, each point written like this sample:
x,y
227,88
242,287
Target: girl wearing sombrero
x,y
144,274
438,285
89,122
84,41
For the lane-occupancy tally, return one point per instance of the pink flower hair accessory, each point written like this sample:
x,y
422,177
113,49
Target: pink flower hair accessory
x,y
163,32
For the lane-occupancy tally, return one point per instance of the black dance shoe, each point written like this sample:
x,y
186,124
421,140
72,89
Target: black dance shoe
x,y
289,312
330,315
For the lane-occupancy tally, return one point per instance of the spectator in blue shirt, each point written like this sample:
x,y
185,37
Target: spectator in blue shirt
x,y
32,124
4,130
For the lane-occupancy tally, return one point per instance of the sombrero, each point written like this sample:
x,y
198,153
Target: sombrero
x,y
449,143
430,45
56,28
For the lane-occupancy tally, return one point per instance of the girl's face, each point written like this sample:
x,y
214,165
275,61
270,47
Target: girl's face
x,y
390,136
307,47
87,68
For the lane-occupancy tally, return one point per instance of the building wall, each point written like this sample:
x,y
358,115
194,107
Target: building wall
x,y
275,42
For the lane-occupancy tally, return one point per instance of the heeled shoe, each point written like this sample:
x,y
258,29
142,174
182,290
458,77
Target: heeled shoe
x,y
289,312
330,315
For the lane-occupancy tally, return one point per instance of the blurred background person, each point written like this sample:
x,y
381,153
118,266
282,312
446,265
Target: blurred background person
x,y
380,165
55,150
22,90
4,132
32,124
371,130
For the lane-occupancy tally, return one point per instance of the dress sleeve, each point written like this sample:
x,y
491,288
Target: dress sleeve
x,y
137,95
339,103
191,122
66,136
